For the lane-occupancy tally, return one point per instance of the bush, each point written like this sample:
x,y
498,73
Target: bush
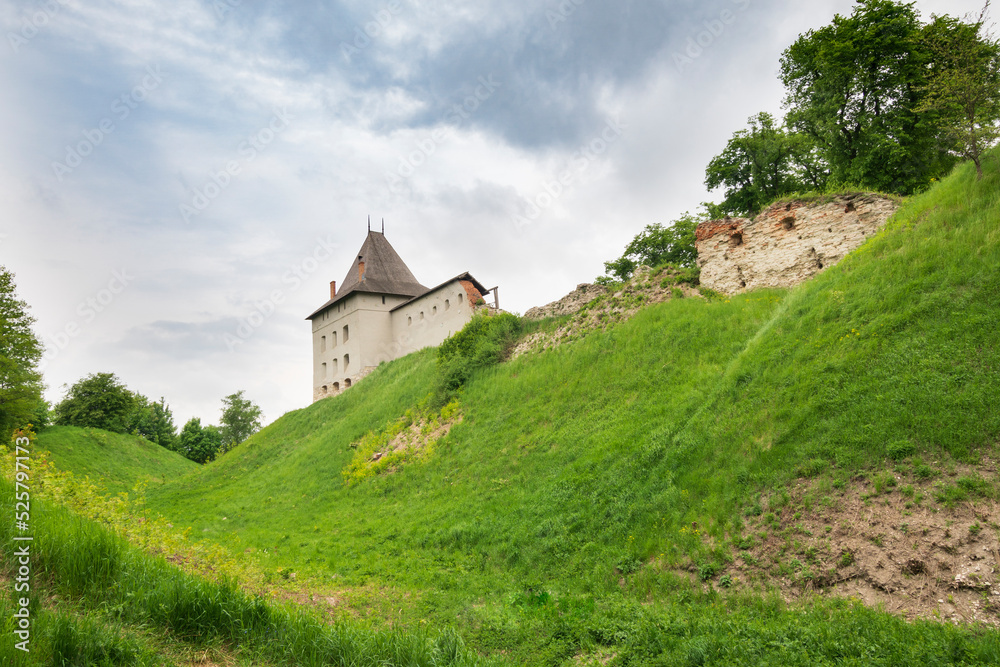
x,y
486,340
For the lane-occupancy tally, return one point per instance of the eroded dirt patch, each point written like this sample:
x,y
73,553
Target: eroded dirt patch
x,y
921,548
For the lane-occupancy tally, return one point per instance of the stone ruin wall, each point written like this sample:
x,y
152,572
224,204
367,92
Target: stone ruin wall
x,y
788,243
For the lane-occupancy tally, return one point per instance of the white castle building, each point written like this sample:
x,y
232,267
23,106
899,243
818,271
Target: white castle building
x,y
382,313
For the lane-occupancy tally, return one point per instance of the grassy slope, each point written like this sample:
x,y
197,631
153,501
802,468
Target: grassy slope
x,y
583,475
117,461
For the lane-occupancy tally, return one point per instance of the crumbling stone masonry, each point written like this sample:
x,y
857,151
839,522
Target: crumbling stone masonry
x,y
788,243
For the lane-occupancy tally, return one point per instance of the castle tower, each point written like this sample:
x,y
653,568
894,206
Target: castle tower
x,y
381,312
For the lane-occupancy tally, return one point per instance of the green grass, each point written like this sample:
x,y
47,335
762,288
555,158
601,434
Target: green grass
x,y
114,460
128,593
552,522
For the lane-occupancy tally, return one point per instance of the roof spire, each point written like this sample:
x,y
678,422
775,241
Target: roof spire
x,y
383,226
369,222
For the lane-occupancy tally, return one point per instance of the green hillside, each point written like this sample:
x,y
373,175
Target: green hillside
x,y
113,460
587,491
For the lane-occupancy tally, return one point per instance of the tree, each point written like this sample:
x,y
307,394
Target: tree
x,y
963,86
240,420
854,88
20,352
153,421
761,164
657,245
198,443
100,400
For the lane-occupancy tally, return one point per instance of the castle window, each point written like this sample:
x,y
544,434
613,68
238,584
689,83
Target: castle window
x,y
347,361
460,297
336,362
333,339
346,333
383,299
325,390
324,369
347,383
336,386
409,321
447,304
421,314
434,310
322,344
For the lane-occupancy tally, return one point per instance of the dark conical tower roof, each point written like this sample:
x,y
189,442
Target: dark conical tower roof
x,y
383,272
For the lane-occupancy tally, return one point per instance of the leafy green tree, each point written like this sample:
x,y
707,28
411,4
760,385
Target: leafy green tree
x,y
657,245
240,419
854,88
100,400
20,352
199,443
963,86
153,421
761,164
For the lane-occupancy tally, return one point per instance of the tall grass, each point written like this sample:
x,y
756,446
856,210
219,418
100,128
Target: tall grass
x,y
75,558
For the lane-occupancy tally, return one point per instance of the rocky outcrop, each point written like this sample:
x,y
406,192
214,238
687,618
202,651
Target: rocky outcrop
x,y
789,242
569,304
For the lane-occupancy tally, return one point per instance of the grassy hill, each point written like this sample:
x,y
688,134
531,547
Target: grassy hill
x,y
587,491
113,460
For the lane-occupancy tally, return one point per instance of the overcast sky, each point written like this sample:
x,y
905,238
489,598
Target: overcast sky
x,y
169,169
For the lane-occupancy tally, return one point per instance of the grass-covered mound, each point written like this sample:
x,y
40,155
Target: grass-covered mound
x,y
114,460
552,521
96,600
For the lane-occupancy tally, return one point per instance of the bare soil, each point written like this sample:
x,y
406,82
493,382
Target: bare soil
x,y
908,548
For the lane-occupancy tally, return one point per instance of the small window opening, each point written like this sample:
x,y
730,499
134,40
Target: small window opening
x,y
447,304
788,223
324,369
333,339
736,240
460,297
383,299
409,321
326,390
336,386
434,310
347,383
421,314
850,207
347,361
336,363
347,333
322,344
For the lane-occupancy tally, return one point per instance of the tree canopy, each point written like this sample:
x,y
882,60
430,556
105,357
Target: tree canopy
x,y
240,419
99,400
199,443
20,351
761,164
854,87
963,85
657,245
